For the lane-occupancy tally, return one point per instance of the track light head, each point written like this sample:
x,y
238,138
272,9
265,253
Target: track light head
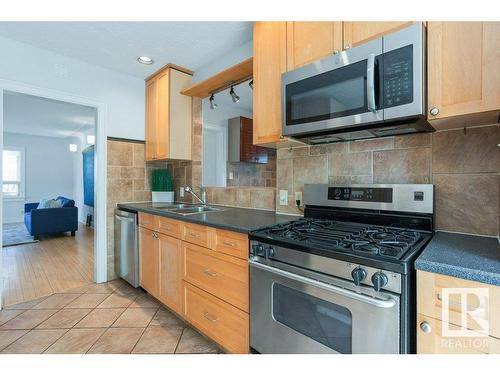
x,y
213,104
235,97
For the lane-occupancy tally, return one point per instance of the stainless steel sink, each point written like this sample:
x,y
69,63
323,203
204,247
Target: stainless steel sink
x,y
190,210
170,206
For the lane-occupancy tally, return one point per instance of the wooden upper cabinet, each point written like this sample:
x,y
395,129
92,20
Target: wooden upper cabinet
x,y
356,33
269,62
463,69
170,278
310,41
168,115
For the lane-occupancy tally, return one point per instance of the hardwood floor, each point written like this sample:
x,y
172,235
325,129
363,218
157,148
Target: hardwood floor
x,y
52,265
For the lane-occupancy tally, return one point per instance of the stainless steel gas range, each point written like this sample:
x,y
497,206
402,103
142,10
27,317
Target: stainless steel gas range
x,y
341,279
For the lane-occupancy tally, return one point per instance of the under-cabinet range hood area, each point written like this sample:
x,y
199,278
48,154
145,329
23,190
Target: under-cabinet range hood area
x,y
373,90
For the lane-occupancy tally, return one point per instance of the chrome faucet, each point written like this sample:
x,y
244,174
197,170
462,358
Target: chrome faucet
x,y
203,192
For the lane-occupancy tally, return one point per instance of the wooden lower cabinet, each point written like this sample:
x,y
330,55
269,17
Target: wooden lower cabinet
x,y
148,260
219,320
223,276
170,273
431,340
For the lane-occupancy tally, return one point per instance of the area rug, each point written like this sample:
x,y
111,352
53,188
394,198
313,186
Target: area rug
x,y
16,234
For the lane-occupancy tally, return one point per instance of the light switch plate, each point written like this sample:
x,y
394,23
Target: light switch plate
x,y
181,192
283,197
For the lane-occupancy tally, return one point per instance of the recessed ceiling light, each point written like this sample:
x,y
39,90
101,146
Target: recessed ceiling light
x,y
145,60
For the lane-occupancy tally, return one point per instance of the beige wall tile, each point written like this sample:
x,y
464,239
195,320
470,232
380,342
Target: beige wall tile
x,y
114,171
412,140
309,170
346,180
263,198
139,157
402,166
372,144
120,153
133,172
467,203
142,196
284,174
359,163
472,151
331,148
243,197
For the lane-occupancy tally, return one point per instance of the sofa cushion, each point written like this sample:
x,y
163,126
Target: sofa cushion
x,y
66,202
49,203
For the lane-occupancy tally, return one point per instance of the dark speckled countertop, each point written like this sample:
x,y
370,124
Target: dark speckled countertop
x,y
464,256
236,219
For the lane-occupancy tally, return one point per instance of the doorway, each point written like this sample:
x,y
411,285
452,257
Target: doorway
x,y
56,261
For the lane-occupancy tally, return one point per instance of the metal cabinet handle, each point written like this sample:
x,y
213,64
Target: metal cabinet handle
x,y
209,317
434,111
206,271
370,83
227,243
426,327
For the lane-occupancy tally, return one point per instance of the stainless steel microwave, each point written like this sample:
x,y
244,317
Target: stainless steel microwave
x,y
373,90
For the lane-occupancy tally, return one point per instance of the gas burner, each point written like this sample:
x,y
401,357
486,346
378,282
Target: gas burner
x,y
366,247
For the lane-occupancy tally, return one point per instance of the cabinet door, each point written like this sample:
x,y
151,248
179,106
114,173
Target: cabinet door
x,y
269,62
150,136
148,245
309,41
170,261
163,121
463,61
359,32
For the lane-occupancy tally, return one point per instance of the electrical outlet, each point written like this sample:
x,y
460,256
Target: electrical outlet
x,y
283,197
231,176
298,197
181,192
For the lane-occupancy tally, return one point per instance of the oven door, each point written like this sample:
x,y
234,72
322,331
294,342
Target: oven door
x,y
291,313
333,93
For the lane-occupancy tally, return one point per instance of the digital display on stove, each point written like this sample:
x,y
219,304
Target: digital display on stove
x,y
383,195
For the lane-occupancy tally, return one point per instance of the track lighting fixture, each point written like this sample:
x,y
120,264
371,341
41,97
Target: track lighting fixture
x,y
235,97
251,84
213,104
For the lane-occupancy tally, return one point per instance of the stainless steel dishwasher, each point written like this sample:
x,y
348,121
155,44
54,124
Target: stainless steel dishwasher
x,y
127,246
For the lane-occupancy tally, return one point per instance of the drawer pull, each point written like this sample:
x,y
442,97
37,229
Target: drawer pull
x,y
194,234
426,327
227,243
209,273
210,318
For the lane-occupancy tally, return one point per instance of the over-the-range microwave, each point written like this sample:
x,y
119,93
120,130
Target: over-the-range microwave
x,y
375,89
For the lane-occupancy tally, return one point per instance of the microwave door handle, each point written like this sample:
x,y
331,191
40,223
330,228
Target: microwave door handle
x,y
370,83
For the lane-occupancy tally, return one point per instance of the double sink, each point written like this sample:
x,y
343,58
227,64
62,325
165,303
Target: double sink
x,y
185,208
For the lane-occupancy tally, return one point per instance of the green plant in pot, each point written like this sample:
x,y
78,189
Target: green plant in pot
x,y
162,186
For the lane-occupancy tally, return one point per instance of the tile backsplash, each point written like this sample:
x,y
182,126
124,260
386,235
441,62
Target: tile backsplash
x,y
463,165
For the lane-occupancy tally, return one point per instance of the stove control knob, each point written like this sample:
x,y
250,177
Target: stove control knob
x,y
270,252
259,250
358,275
379,280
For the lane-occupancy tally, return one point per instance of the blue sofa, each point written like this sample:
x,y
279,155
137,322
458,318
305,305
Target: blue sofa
x,y
51,220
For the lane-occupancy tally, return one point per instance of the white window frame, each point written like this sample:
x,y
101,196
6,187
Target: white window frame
x,y
22,183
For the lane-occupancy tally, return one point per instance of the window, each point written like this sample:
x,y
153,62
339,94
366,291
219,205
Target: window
x,y
13,172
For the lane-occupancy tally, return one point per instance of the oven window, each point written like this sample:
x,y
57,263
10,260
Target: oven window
x,y
320,320
337,93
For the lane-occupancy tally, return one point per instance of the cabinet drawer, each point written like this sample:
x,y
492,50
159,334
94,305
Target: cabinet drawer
x,y
170,227
231,243
435,341
147,221
224,323
223,276
432,287
197,234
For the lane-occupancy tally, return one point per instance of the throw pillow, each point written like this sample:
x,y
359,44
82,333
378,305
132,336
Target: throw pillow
x,y
49,203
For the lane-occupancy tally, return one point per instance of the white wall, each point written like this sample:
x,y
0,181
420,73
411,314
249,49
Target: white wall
x,y
123,95
48,171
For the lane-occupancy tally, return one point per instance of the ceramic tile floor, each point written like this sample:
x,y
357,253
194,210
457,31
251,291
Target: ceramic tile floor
x,y
109,318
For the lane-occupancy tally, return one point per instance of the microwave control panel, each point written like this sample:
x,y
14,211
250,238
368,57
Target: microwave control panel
x,y
398,77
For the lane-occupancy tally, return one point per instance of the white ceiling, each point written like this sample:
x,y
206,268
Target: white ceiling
x,y
33,115
116,45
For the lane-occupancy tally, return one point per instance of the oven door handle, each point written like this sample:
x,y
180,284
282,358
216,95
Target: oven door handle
x,y
383,303
370,83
